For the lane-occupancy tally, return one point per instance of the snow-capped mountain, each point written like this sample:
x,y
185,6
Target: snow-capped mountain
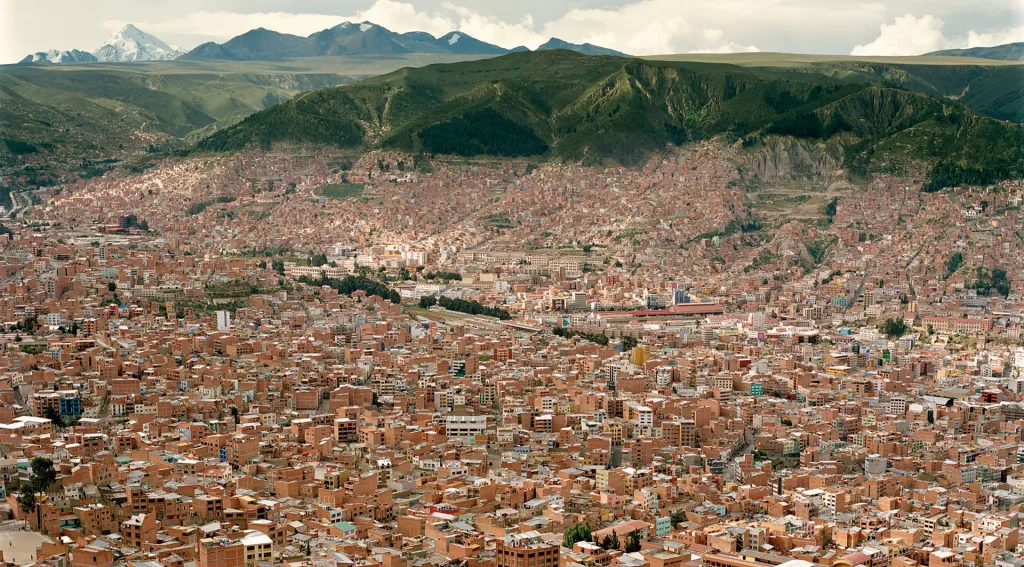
x,y
128,44
132,44
58,56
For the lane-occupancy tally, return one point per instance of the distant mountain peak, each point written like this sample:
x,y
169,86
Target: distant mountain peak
x,y
584,48
127,30
132,44
58,56
128,43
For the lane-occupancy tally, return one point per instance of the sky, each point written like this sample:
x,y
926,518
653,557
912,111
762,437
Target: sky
x,y
638,27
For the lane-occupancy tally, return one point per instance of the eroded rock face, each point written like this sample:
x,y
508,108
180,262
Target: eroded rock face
x,y
780,158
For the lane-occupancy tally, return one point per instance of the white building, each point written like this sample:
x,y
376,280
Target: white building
x,y
223,321
465,425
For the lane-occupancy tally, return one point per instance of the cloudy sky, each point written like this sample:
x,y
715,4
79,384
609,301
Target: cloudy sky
x,y
639,27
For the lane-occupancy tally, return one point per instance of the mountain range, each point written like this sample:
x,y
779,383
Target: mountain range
x,y
1007,52
564,105
59,56
127,44
130,44
361,39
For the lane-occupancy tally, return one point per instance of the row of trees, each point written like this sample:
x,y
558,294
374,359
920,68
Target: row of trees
x,y
600,339
440,275
350,284
464,306
581,532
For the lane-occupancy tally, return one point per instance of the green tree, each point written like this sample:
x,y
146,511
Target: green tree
x,y
27,500
30,324
575,533
678,517
54,416
953,264
633,541
825,537
988,282
894,328
43,474
614,543
830,209
628,342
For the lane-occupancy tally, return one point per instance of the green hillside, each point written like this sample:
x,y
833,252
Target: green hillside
x,y
608,109
55,120
988,87
1007,52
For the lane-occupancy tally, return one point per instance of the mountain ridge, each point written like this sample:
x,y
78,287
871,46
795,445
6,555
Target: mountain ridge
x,y
59,56
346,38
1005,52
584,48
564,105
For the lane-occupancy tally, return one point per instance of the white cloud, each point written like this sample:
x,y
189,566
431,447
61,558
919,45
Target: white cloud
x,y
10,51
402,17
910,35
647,27
396,16
494,30
999,37
907,35
644,27
639,27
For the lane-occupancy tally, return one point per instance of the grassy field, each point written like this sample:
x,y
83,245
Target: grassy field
x,y
341,191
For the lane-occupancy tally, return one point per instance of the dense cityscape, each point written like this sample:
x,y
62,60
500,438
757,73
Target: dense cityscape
x,y
269,359
573,283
